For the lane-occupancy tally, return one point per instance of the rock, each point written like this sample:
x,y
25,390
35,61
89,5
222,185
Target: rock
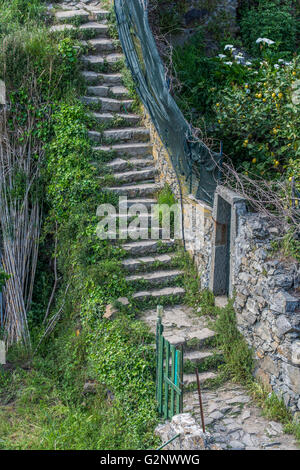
x,y
90,387
274,429
236,445
216,416
296,353
241,399
110,312
283,302
123,300
191,435
245,415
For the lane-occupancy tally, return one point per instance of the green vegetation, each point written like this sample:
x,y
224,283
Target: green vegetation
x,y
42,404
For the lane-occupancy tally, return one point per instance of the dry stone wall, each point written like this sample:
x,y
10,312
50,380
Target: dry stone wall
x,y
268,307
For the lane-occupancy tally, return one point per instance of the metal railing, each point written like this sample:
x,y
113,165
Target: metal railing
x,y
190,157
169,375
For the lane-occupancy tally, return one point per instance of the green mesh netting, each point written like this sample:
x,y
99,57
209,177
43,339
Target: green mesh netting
x,y
191,158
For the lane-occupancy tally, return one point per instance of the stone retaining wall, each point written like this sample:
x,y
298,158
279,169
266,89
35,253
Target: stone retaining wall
x,y
191,435
266,288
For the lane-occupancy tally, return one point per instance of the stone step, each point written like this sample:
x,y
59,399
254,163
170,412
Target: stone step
x,y
114,79
190,380
137,175
197,357
120,135
156,277
130,119
132,234
130,150
148,247
191,340
96,62
100,90
159,294
100,45
146,262
138,190
58,28
107,104
128,134
117,92
96,13
145,202
119,164
63,16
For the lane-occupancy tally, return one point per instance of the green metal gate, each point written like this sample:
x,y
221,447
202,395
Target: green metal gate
x,y
169,375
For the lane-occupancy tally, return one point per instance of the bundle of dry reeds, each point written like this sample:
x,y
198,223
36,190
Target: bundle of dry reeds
x,y
20,221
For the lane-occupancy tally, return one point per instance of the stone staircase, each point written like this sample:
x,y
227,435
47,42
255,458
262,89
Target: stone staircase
x,y
150,264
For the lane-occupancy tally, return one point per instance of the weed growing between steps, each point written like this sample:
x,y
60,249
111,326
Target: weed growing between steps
x,y
42,404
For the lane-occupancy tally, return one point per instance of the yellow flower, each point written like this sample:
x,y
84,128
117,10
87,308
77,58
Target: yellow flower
x,y
273,95
246,86
259,95
218,104
219,121
276,164
290,178
254,160
264,100
294,73
280,96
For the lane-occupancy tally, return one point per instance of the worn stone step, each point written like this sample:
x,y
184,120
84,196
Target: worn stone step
x,y
190,380
93,78
107,104
138,190
117,92
130,119
96,62
197,357
129,134
148,247
95,28
191,339
58,28
100,45
99,90
156,277
147,262
119,164
136,175
148,296
64,16
128,150
132,234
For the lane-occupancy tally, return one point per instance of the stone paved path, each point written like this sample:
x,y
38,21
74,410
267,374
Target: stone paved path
x,y
229,413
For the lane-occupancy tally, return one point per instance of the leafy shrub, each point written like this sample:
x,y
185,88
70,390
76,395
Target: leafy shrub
x,y
259,121
271,19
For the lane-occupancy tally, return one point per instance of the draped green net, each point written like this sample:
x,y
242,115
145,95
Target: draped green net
x,y
190,157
